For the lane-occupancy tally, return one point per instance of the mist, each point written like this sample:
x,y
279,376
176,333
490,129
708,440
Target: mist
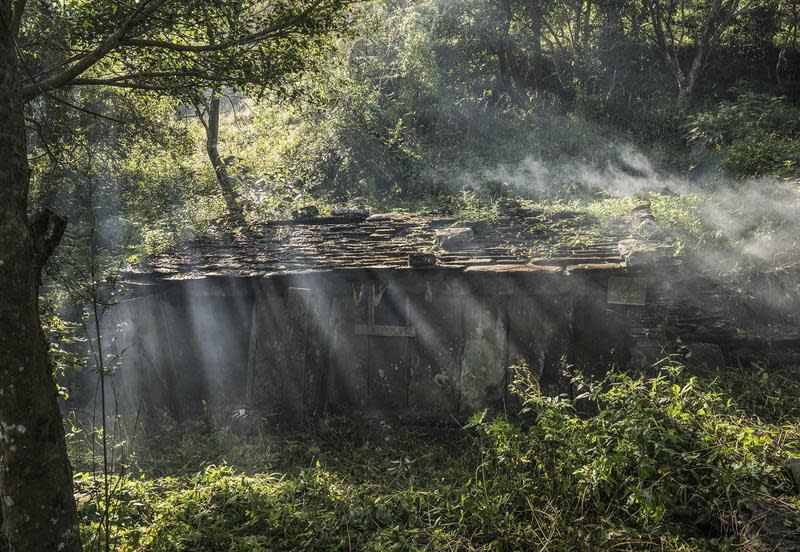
x,y
405,274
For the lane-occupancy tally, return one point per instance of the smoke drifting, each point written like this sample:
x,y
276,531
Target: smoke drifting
x,y
742,233
756,217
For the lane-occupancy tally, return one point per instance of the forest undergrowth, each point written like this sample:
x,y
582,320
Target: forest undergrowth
x,y
665,460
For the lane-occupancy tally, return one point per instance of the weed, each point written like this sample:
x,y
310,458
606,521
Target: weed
x,y
663,462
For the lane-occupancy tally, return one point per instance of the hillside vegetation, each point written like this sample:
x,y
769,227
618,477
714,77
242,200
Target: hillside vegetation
x,y
660,462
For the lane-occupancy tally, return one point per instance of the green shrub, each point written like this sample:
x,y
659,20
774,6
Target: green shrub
x,y
763,154
660,462
668,458
755,135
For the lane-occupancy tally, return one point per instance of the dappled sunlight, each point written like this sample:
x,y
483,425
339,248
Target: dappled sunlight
x,y
410,275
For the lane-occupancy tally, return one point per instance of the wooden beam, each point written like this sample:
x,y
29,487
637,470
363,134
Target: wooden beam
x,y
386,331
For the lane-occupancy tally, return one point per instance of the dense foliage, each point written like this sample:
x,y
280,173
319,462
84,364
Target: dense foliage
x,y
660,462
446,106
423,98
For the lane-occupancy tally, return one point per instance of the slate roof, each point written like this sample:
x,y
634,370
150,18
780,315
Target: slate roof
x,y
526,240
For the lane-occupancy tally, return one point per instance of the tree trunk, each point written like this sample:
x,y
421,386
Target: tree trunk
x,y
536,29
504,52
212,147
576,24
686,89
587,27
38,505
3,541
583,48
719,17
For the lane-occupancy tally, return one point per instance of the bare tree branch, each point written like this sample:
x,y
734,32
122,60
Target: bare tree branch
x,y
148,80
55,66
200,112
83,109
718,16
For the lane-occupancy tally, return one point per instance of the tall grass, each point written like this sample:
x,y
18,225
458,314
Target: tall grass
x,y
660,462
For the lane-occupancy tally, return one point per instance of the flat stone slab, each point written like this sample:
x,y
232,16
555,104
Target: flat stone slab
x,y
514,268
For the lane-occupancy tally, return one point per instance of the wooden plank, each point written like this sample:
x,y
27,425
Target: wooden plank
x,y
595,266
380,330
268,361
318,339
316,221
435,356
292,401
513,268
252,349
627,291
348,352
483,363
388,373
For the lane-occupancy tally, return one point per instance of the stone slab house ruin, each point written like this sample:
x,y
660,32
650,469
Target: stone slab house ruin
x,y
414,314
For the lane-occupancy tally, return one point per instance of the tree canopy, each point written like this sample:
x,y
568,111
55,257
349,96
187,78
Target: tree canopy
x,y
146,122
